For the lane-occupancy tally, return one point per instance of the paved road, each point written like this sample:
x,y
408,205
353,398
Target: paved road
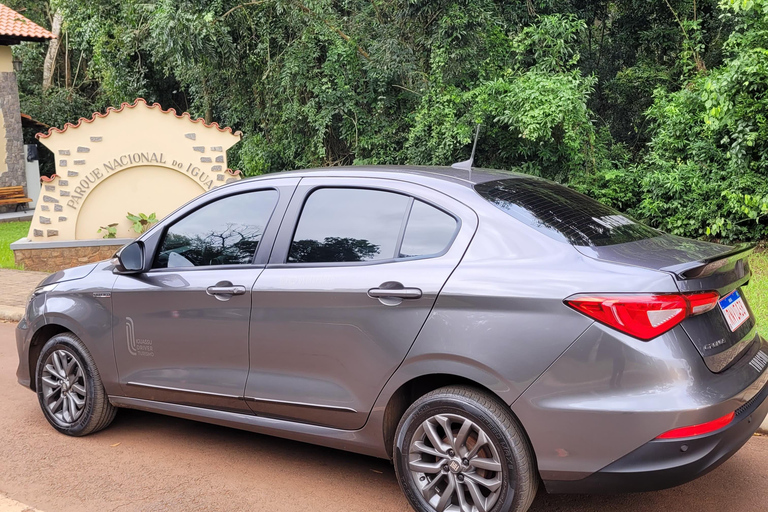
x,y
15,287
151,462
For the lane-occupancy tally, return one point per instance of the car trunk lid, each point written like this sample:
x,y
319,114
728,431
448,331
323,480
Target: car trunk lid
x,y
724,333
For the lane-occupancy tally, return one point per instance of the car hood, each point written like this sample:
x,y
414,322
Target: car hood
x,y
72,274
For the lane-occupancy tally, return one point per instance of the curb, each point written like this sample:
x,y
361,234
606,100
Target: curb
x,y
11,314
763,429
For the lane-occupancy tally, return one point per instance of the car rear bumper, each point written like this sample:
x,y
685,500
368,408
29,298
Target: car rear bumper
x,y
664,463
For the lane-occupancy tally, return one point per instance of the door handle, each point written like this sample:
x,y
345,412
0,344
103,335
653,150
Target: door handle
x,y
225,291
399,292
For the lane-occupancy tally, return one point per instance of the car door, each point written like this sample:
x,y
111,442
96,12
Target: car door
x,y
356,269
181,332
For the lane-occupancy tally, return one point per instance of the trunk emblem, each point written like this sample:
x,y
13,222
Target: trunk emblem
x,y
710,346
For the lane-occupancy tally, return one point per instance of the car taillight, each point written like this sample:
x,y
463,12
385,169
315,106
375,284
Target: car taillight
x,y
698,430
643,316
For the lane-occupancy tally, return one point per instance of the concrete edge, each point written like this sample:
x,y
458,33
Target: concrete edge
x,y
22,217
763,429
25,243
11,314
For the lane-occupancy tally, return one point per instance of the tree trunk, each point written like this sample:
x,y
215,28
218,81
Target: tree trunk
x,y
53,49
67,68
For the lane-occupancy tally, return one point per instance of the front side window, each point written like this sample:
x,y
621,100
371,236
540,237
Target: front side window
x,y
225,232
348,225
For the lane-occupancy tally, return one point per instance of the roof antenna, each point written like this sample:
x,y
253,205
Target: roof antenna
x,y
467,164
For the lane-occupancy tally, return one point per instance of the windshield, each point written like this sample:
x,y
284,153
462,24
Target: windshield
x,y
562,213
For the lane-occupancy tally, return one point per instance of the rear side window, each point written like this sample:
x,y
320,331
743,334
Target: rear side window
x,y
347,225
429,231
562,213
354,224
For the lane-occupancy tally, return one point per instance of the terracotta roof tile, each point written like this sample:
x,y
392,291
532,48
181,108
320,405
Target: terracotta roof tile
x,y
136,103
14,25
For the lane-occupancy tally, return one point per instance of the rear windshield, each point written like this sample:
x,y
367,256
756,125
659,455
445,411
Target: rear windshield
x,y
562,213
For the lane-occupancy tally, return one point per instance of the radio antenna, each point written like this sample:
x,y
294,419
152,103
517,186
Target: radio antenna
x,y
467,164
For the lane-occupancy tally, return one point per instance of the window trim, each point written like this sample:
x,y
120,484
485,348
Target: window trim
x,y
398,244
251,265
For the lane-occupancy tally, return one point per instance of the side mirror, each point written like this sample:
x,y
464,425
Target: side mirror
x,y
130,259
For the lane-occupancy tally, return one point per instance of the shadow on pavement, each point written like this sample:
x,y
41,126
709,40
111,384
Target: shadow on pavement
x,y
739,484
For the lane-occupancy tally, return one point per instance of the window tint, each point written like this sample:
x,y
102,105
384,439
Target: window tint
x,y
225,232
562,213
348,224
429,231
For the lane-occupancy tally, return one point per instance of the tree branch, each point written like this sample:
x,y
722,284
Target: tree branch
x,y
341,34
242,6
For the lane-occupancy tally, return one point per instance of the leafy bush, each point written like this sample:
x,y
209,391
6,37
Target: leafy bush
x,y
707,170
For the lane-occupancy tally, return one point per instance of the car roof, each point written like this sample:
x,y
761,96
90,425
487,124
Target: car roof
x,y
413,173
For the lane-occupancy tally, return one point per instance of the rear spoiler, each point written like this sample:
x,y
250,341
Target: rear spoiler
x,y
708,266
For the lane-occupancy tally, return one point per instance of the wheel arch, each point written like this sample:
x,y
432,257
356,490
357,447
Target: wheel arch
x,y
38,340
412,389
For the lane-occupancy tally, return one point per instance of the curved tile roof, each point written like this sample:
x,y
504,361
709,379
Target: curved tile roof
x,y
139,101
15,26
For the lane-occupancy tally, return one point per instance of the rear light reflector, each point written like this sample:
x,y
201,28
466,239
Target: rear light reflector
x,y
643,316
698,430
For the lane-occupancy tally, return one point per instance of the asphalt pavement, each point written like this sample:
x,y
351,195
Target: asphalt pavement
x,y
150,462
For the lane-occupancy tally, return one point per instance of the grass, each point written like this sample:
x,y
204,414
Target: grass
x,y
9,233
757,290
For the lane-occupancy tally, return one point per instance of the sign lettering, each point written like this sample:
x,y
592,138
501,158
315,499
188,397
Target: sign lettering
x,y
129,160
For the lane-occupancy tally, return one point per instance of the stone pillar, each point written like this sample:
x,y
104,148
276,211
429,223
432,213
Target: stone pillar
x,y
12,169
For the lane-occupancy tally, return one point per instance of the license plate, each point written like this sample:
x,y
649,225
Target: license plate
x,y
734,310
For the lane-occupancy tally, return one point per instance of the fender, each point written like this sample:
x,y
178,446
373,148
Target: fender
x,y
87,313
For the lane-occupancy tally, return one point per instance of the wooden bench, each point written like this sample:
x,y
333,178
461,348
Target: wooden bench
x,y
14,195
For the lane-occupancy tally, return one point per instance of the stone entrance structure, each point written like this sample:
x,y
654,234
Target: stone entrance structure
x,y
138,158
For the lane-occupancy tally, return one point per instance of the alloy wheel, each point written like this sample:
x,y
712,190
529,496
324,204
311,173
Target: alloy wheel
x,y
455,465
64,388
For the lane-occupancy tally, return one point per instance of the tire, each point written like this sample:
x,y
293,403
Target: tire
x,y
487,446
69,388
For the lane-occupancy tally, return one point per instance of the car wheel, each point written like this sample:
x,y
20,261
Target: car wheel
x,y
69,388
459,449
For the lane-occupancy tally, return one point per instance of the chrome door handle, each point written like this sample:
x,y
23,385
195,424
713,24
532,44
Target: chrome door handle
x,y
397,293
225,290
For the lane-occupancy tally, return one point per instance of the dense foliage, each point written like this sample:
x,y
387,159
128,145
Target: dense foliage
x,y
657,108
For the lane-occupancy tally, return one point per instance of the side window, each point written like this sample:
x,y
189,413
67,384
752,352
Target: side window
x,y
348,224
429,231
225,232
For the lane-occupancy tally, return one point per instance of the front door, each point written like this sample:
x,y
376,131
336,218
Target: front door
x,y
348,288
181,332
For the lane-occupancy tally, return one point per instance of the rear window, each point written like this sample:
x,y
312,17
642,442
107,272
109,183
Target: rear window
x,y
562,213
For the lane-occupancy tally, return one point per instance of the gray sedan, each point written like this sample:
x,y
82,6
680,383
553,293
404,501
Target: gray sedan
x,y
486,331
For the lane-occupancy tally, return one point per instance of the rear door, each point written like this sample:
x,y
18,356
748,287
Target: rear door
x,y
356,269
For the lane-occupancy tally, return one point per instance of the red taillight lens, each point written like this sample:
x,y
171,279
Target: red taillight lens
x,y
698,430
699,303
643,316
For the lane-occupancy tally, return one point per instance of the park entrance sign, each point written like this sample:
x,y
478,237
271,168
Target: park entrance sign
x,y
138,158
